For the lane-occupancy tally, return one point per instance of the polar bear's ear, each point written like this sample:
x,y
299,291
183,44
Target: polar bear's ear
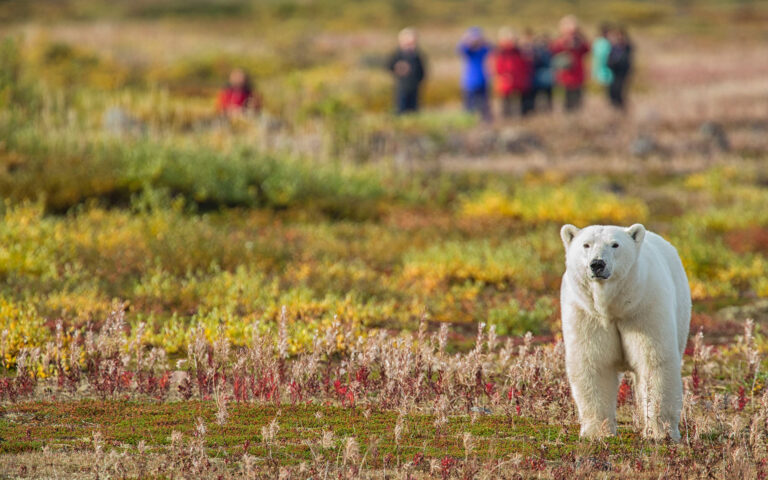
x,y
637,232
568,233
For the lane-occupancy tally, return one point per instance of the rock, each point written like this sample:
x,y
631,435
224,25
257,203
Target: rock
x,y
758,126
454,142
270,123
643,145
479,143
118,121
615,188
481,410
378,142
419,146
515,140
415,151
594,463
713,137
373,60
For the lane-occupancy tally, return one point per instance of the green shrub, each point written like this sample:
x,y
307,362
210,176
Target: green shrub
x,y
522,262
512,319
65,170
190,8
15,90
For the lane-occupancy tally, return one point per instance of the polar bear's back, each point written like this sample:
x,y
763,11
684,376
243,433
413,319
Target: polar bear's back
x,y
670,257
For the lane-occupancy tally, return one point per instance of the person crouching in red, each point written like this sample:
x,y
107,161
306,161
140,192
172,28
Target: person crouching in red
x,y
238,96
514,69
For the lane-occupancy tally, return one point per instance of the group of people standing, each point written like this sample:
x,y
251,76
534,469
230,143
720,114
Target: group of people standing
x,y
527,68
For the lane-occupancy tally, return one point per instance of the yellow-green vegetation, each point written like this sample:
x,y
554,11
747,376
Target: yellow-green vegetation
x,y
580,204
260,295
299,427
384,404
177,267
190,219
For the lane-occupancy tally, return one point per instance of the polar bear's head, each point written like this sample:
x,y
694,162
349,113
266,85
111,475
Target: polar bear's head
x,y
601,252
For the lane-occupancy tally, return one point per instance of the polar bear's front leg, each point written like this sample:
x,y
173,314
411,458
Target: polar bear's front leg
x,y
660,390
655,359
592,355
594,388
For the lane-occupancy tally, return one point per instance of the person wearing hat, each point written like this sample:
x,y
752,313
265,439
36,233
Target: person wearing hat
x,y
474,49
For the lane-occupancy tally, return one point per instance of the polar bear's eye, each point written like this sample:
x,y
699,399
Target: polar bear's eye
x,y
586,245
615,245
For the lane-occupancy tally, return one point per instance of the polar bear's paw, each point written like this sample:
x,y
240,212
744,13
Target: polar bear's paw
x,y
595,429
662,432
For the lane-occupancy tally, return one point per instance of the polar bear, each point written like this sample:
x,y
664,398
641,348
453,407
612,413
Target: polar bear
x,y
626,306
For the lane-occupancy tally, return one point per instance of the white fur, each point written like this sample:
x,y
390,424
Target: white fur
x,y
637,319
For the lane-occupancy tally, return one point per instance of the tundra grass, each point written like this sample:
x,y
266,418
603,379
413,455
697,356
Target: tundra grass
x,y
68,425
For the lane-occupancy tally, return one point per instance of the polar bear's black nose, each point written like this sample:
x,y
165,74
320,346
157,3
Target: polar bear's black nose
x,y
597,266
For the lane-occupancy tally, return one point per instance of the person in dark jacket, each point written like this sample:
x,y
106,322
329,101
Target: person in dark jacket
x,y
528,100
543,74
407,65
620,63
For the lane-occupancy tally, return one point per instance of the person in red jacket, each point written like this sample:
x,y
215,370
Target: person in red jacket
x,y
238,96
514,70
569,51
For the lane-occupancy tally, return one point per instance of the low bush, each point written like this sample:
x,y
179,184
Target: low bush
x,y
582,203
512,319
64,169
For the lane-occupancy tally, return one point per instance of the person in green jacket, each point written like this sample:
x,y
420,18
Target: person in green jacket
x,y
601,49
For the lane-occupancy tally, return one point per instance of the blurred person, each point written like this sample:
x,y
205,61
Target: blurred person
x,y
543,73
620,64
238,96
514,74
569,49
407,65
528,99
601,49
474,49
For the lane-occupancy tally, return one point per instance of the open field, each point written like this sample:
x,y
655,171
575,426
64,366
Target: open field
x,y
326,291
360,407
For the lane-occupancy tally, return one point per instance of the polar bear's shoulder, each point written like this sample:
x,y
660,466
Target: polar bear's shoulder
x,y
658,241
656,245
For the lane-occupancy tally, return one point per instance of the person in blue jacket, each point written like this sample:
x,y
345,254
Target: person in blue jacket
x,y
474,49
